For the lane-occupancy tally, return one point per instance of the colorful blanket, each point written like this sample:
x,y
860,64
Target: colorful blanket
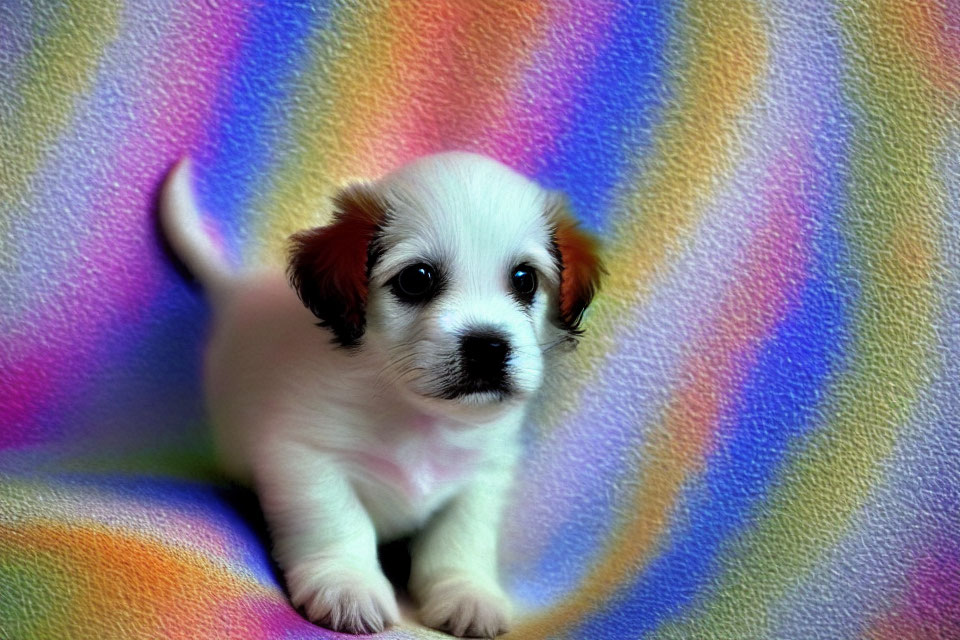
x,y
759,436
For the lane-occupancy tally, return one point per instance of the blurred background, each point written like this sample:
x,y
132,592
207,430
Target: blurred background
x,y
758,436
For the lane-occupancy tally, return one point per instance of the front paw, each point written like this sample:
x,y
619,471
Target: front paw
x,y
466,607
342,597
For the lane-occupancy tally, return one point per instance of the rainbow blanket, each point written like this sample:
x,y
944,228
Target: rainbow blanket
x,y
759,436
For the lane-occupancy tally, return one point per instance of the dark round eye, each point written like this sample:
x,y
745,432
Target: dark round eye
x,y
415,282
524,282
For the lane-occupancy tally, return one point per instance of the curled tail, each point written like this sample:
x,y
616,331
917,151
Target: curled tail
x,y
183,228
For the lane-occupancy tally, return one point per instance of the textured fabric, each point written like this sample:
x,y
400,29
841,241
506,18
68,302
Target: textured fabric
x,y
759,434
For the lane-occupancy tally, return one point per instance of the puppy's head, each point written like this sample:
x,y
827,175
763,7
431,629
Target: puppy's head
x,y
455,273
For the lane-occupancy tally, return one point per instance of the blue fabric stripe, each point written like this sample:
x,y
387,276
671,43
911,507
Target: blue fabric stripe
x,y
239,147
620,100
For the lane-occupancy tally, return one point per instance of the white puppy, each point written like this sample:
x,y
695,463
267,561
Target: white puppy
x,y
440,288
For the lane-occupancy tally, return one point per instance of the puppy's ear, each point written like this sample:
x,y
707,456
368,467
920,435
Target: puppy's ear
x,y
577,254
329,266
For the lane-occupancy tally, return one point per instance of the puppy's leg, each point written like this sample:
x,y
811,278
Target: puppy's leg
x,y
454,563
324,540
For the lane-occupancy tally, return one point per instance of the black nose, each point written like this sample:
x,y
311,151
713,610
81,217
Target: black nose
x,y
484,356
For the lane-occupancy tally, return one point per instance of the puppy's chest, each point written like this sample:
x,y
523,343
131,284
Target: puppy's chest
x,y
414,473
403,480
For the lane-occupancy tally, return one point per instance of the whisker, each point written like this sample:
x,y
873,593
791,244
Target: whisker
x,y
397,370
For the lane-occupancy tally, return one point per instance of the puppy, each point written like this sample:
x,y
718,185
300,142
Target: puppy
x,y
439,291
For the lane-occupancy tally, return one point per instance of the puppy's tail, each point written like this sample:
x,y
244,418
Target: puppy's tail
x,y
183,228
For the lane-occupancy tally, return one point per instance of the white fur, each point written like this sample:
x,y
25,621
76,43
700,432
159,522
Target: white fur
x,y
344,446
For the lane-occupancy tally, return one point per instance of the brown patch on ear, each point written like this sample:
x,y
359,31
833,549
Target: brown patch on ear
x,y
329,266
577,254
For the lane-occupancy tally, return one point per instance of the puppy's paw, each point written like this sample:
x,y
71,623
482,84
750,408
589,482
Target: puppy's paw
x,y
342,597
466,608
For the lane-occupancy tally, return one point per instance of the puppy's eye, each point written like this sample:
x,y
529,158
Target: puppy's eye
x,y
415,283
524,282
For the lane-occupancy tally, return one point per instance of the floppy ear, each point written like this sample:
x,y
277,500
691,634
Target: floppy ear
x,y
576,252
329,266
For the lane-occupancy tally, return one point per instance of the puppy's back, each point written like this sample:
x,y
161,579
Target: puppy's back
x,y
266,362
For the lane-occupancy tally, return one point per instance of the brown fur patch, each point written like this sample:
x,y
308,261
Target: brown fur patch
x,y
577,252
329,266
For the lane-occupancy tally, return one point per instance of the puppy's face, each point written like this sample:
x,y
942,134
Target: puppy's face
x,y
455,273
